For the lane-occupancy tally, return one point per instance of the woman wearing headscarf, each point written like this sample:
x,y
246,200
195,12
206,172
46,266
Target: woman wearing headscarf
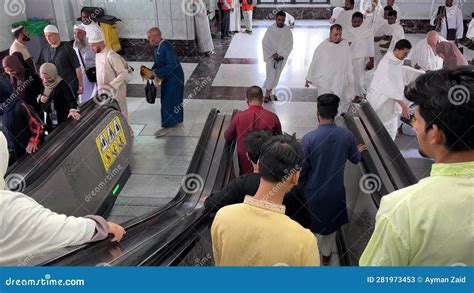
x,y
21,126
451,55
26,84
29,229
58,98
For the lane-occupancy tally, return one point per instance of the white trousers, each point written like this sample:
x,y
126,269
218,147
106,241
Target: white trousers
x,y
248,19
326,243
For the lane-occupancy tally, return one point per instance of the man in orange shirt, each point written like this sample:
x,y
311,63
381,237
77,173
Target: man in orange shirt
x,y
226,7
247,11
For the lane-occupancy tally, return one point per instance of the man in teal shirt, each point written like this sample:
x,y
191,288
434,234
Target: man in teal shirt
x,y
431,223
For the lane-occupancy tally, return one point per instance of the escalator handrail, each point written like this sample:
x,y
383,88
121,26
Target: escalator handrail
x,y
181,195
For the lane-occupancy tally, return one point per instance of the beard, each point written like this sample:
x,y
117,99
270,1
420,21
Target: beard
x,y
26,39
80,43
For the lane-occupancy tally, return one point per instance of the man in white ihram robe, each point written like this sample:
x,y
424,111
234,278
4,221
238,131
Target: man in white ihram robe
x,y
423,55
361,39
386,91
397,32
29,229
277,46
345,17
331,69
203,29
235,25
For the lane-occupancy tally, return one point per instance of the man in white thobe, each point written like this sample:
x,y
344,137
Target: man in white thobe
x,y
397,32
86,58
331,69
391,3
345,17
449,17
29,229
386,91
423,55
235,24
361,40
203,28
381,30
112,73
277,45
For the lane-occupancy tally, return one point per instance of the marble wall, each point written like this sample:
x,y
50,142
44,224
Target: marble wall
x,y
139,15
11,11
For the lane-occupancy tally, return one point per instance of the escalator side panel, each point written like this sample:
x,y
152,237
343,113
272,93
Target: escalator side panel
x,y
80,184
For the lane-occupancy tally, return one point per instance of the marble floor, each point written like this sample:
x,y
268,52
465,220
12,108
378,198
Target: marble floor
x,y
220,81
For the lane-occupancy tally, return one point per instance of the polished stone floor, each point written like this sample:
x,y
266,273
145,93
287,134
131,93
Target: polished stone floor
x,y
220,81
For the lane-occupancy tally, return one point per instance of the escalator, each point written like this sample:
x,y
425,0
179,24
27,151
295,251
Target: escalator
x,y
82,165
383,170
152,238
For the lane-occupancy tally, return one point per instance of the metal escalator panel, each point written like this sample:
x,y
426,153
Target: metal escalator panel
x,y
90,176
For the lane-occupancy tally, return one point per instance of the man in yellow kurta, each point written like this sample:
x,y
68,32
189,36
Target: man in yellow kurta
x,y
431,223
257,232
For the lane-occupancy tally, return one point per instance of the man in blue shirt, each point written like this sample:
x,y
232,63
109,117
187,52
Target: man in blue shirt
x,y
327,149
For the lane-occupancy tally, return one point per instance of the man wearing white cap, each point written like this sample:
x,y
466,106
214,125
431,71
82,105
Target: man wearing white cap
x,y
112,71
87,59
19,44
64,57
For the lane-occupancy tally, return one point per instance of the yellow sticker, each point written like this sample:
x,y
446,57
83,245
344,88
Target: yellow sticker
x,y
110,142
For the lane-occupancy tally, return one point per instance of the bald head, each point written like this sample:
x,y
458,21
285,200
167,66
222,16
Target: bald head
x,y
154,36
432,38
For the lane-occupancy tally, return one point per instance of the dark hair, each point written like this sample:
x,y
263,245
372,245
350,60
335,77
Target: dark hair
x,y
253,142
393,13
388,8
446,98
403,44
255,93
335,26
86,11
281,13
327,105
352,2
357,14
282,155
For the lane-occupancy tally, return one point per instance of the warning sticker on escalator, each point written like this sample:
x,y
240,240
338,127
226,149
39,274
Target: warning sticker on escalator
x,y
111,142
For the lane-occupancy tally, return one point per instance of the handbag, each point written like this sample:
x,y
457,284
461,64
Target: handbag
x,y
150,92
91,73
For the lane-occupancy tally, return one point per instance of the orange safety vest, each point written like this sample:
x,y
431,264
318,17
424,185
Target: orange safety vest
x,y
223,6
246,6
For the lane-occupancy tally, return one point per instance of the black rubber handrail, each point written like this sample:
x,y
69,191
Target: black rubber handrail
x,y
166,217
